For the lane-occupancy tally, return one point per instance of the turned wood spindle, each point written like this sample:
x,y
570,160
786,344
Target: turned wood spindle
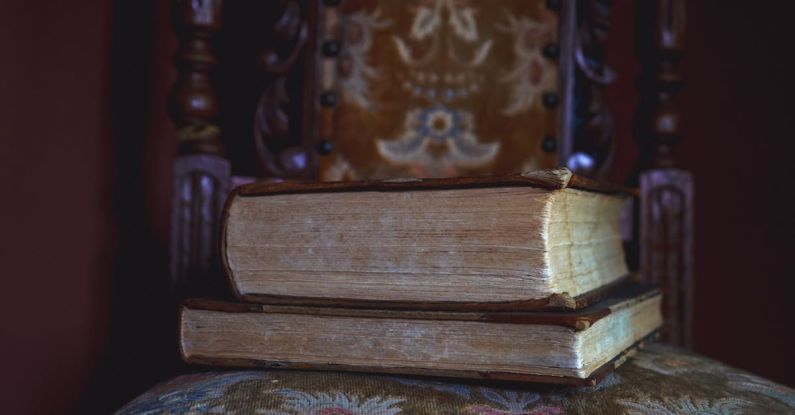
x,y
193,103
201,173
666,208
663,82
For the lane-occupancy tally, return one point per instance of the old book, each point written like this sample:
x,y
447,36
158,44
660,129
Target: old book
x,y
522,241
556,347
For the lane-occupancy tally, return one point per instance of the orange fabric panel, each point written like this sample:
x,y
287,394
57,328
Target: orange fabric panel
x,y
438,88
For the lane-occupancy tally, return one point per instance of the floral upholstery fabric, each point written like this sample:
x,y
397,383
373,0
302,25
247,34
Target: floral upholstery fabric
x,y
657,380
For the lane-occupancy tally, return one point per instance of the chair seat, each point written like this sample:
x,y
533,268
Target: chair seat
x,y
657,380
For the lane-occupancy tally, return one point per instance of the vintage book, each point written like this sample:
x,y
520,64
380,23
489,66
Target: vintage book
x,y
520,242
556,347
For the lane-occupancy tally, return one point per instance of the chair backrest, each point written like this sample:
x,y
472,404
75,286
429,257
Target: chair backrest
x,y
363,89
438,88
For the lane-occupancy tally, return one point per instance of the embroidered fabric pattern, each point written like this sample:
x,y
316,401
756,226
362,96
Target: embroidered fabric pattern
x,y
658,380
437,88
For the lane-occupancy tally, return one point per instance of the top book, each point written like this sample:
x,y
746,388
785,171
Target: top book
x,y
544,239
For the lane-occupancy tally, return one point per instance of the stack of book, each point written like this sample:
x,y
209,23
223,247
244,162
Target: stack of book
x,y
518,277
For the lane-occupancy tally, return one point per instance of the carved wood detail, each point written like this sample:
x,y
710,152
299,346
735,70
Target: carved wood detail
x,y
667,246
282,145
201,184
666,207
291,122
594,128
201,174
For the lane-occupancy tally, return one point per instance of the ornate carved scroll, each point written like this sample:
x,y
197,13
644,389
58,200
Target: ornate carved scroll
x,y
592,150
666,208
201,174
281,148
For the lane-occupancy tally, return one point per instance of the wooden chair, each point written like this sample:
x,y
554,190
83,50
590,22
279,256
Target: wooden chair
x,y
331,90
311,105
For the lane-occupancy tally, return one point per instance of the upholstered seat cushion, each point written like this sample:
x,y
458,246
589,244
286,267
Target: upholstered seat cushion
x,y
657,380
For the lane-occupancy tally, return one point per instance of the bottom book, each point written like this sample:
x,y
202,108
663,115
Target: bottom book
x,y
549,347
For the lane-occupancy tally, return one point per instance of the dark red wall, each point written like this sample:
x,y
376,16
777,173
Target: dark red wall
x,y
740,146
738,142
84,178
57,181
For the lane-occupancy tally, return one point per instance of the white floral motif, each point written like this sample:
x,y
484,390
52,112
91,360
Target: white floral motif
x,y
355,83
676,363
444,127
197,398
459,389
303,403
513,403
340,169
531,74
428,22
685,405
751,383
